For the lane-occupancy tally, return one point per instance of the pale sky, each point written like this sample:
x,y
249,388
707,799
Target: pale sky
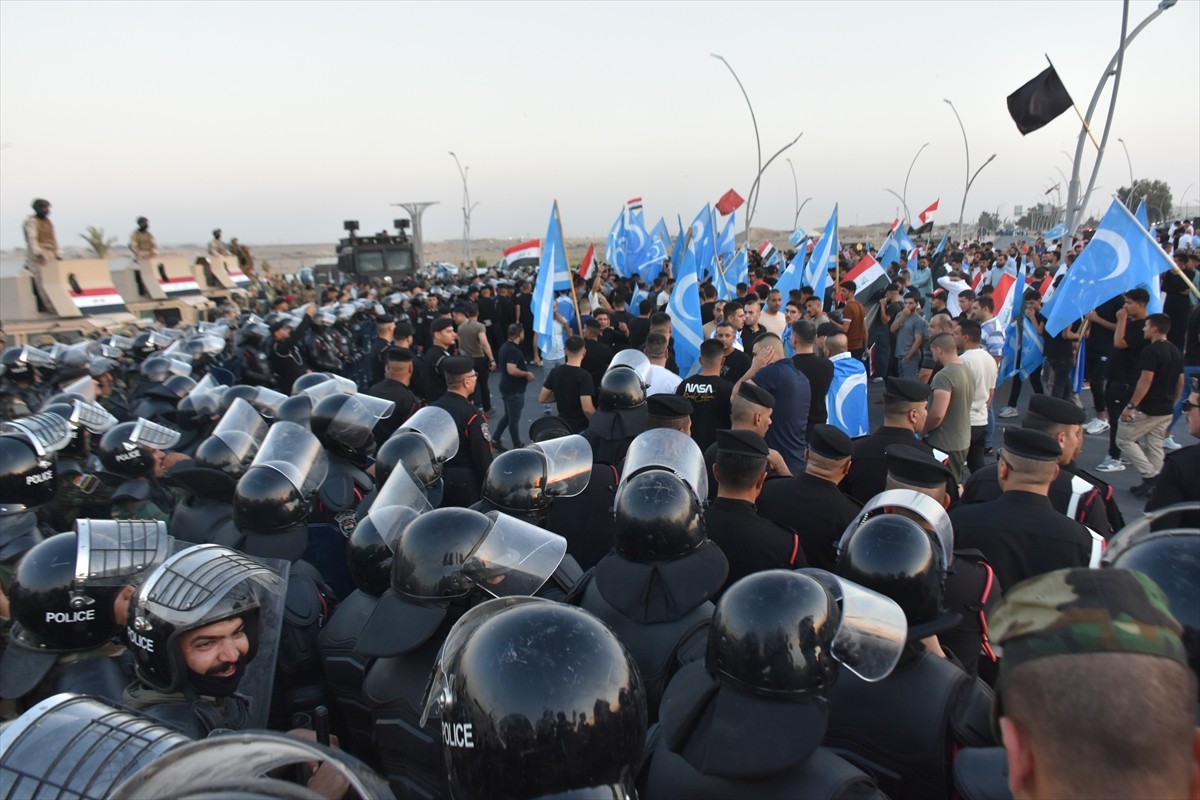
x,y
276,121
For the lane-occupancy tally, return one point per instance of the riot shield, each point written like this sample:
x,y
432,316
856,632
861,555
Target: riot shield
x,y
356,419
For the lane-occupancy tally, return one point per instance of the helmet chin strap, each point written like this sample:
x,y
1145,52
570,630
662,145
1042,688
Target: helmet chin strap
x,y
216,686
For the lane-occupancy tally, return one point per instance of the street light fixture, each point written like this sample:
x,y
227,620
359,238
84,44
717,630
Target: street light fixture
x,y
904,198
969,177
1129,162
467,208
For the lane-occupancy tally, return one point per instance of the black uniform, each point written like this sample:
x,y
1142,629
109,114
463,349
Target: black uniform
x,y
465,472
346,669
868,466
611,432
406,404
905,728
1074,495
285,357
814,507
1179,482
585,520
431,367
378,358
1021,535
596,358
750,542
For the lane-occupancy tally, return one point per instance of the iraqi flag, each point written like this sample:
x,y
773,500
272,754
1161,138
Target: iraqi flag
x,y
769,254
1002,295
177,287
589,262
525,254
97,301
870,280
925,220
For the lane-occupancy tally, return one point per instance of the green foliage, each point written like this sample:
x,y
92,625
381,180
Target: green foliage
x,y
1157,194
96,241
988,221
481,262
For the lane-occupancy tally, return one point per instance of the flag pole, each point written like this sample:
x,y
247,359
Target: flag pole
x,y
1078,113
574,297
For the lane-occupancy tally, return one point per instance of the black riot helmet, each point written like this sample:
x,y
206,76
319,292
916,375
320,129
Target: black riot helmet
x,y
156,369
1171,559
122,457
27,479
345,423
783,633
896,557
143,345
193,588
369,557
308,380
526,481
411,450
297,408
179,386
241,391
621,389
658,518
234,441
15,365
566,717
430,553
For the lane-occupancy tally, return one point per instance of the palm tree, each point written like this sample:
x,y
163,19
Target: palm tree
x,y
96,241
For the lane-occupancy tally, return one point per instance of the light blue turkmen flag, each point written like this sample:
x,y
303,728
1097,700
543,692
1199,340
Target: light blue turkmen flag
x,y
614,246
661,234
643,253
793,273
737,272
797,237
903,240
1055,233
1120,256
941,245
889,252
726,246
824,255
1141,214
1022,352
684,305
1154,287
846,402
705,240
554,260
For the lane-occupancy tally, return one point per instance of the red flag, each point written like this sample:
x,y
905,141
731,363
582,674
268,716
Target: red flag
x,y
589,260
730,201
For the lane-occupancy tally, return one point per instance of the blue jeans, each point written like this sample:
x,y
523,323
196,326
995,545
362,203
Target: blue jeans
x,y
1188,374
514,404
908,369
991,429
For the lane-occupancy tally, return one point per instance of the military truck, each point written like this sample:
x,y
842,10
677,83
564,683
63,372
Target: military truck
x,y
83,299
371,257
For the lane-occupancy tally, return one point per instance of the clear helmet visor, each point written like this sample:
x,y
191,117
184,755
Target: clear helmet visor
x,y
48,433
37,358
923,506
514,557
151,434
267,401
85,387
568,464
242,429
209,344
92,416
334,385
437,426
398,503
75,355
670,450
873,628
293,451
122,343
109,552
357,417
437,690
635,360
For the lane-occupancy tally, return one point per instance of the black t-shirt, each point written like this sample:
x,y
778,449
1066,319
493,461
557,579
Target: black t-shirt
x,y
511,354
1058,348
1122,362
525,303
819,371
1100,339
712,403
569,384
639,329
596,358
736,365
1166,362
1191,341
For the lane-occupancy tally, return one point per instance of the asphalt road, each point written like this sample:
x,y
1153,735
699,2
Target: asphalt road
x,y
1094,447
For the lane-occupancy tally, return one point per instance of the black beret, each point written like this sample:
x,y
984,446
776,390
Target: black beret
x,y
384,319
398,354
1031,444
829,329
831,442
1055,409
913,391
668,406
742,442
457,365
403,330
915,467
757,395
440,323
284,321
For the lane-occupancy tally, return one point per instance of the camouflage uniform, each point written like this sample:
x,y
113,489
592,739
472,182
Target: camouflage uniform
x,y
1078,611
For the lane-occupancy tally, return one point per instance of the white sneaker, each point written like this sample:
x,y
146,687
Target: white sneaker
x,y
1096,426
1169,443
1110,464
1008,412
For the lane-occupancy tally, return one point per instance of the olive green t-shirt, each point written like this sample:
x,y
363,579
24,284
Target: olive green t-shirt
x,y
955,431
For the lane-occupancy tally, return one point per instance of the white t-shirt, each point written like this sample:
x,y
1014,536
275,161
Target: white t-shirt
x,y
775,323
662,381
952,288
983,369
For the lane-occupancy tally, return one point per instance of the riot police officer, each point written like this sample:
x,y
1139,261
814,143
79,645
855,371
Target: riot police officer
x,y
465,472
80,492
132,451
655,588
565,719
19,393
621,413
749,719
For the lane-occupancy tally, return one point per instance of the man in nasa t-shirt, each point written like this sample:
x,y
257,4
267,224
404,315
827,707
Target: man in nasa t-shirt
x,y
710,394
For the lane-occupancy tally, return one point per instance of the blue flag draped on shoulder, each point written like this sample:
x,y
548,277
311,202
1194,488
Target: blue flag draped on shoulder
x,y
824,255
846,401
554,260
684,306
1122,255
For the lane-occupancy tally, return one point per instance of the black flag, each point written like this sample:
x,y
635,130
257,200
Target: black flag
x,y
1038,102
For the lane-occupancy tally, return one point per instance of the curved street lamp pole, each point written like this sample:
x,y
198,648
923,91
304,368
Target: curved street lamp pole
x,y
1183,197
796,189
904,198
467,208
969,178
757,140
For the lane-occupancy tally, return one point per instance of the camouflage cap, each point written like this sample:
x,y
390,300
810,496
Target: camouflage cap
x,y
1078,611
